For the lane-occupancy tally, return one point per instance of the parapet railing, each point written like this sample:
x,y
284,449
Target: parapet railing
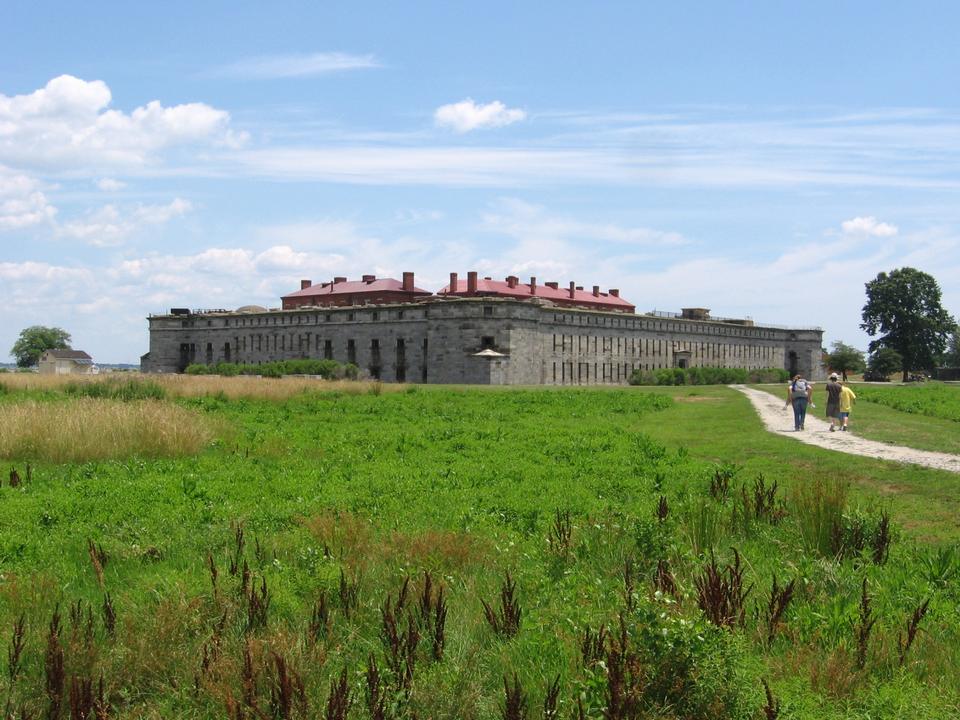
x,y
713,318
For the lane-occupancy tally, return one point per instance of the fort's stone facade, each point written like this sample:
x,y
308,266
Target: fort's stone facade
x,y
480,340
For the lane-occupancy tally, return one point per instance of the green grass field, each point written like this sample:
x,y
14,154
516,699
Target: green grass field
x,y
252,578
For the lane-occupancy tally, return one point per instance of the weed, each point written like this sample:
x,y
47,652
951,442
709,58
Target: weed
x,y
720,482
212,567
53,667
14,478
662,508
515,700
771,709
320,620
550,699
239,544
720,593
867,621
15,651
913,624
629,584
779,600
375,692
258,606
433,615
109,614
81,698
881,540
624,690
663,579
348,593
507,623
286,690
593,646
98,558
339,700
400,645
560,534
766,505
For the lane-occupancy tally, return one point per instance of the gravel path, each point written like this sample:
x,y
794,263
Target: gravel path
x,y
779,420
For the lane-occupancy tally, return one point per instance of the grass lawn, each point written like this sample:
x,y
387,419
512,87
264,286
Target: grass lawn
x,y
583,540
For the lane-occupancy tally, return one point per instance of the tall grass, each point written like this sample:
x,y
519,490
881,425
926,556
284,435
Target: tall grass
x,y
137,386
94,429
819,507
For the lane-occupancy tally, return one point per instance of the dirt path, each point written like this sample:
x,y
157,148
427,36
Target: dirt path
x,y
778,419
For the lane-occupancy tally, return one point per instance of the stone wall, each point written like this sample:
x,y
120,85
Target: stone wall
x,y
437,341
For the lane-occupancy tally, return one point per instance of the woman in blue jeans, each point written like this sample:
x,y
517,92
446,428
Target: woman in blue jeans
x,y
798,393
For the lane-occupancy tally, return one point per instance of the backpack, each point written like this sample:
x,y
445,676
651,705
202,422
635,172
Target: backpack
x,y
799,389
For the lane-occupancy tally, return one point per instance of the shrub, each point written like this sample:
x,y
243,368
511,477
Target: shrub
x,y
327,369
707,376
116,389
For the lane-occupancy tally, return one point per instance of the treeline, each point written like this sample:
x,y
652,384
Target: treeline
x,y
327,369
708,376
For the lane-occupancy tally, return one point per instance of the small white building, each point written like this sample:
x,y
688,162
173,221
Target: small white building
x,y
66,362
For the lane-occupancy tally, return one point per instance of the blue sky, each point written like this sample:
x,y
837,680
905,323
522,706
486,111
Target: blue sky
x,y
759,159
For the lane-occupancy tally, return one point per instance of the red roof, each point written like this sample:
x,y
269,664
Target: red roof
x,y
353,287
560,295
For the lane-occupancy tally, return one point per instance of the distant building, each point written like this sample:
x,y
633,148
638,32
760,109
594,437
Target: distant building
x,y
482,331
66,362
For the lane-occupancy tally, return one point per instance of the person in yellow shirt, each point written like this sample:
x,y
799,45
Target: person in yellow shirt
x,y
847,399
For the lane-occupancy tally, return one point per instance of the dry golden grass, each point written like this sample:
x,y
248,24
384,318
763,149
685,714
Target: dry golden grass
x,y
93,429
242,386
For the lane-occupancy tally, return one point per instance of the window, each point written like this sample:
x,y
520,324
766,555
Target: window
x,y
488,310
376,316
486,342
351,352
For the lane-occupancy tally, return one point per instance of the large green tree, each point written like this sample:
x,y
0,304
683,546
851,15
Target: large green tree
x,y
904,307
34,340
845,358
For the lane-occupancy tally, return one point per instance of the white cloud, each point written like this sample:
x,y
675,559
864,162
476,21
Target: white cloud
x,y
68,124
466,115
108,227
110,185
289,66
868,226
525,221
22,204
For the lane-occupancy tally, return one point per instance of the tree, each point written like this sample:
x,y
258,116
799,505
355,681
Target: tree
x,y
883,363
34,340
845,358
904,306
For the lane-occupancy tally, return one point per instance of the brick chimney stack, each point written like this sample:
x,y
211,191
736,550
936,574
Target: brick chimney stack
x,y
453,283
554,285
533,285
472,282
339,280
596,291
512,281
614,292
573,289
304,284
369,278
408,282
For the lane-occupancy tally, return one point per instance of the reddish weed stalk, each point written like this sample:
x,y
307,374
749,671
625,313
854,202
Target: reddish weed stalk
x,y
507,623
913,624
720,593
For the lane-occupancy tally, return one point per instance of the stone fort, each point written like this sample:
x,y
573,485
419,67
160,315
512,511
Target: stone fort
x,y
475,331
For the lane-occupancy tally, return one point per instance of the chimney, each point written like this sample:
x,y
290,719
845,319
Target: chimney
x,y
579,287
408,282
554,285
453,283
304,284
533,285
596,291
369,278
472,282
339,280
512,281
614,292
573,289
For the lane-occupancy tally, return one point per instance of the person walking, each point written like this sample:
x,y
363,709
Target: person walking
x,y
833,401
798,395
847,399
